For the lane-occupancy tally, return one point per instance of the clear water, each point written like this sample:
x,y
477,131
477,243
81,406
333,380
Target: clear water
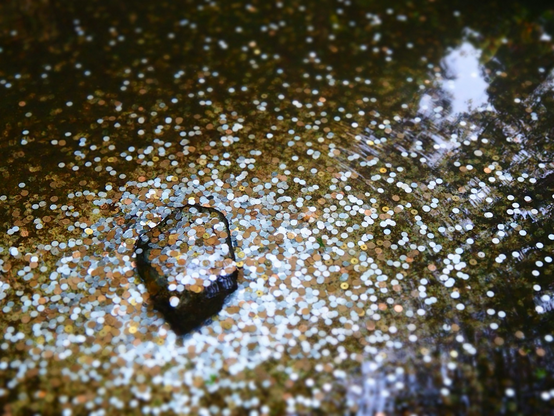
x,y
386,169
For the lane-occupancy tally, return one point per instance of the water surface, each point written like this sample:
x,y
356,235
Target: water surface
x,y
386,170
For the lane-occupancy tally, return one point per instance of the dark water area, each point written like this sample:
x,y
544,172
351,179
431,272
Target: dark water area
x,y
383,178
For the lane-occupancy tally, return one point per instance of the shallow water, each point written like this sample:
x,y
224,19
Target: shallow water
x,y
386,169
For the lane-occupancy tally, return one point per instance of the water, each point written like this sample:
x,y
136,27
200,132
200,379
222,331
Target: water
x,y
386,170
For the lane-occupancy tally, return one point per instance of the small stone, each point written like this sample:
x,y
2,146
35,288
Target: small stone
x,y
187,263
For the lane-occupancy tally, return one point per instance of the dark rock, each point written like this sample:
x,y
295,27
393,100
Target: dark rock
x,y
187,263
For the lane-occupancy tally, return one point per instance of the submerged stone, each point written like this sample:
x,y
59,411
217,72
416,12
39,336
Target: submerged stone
x,y
188,265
